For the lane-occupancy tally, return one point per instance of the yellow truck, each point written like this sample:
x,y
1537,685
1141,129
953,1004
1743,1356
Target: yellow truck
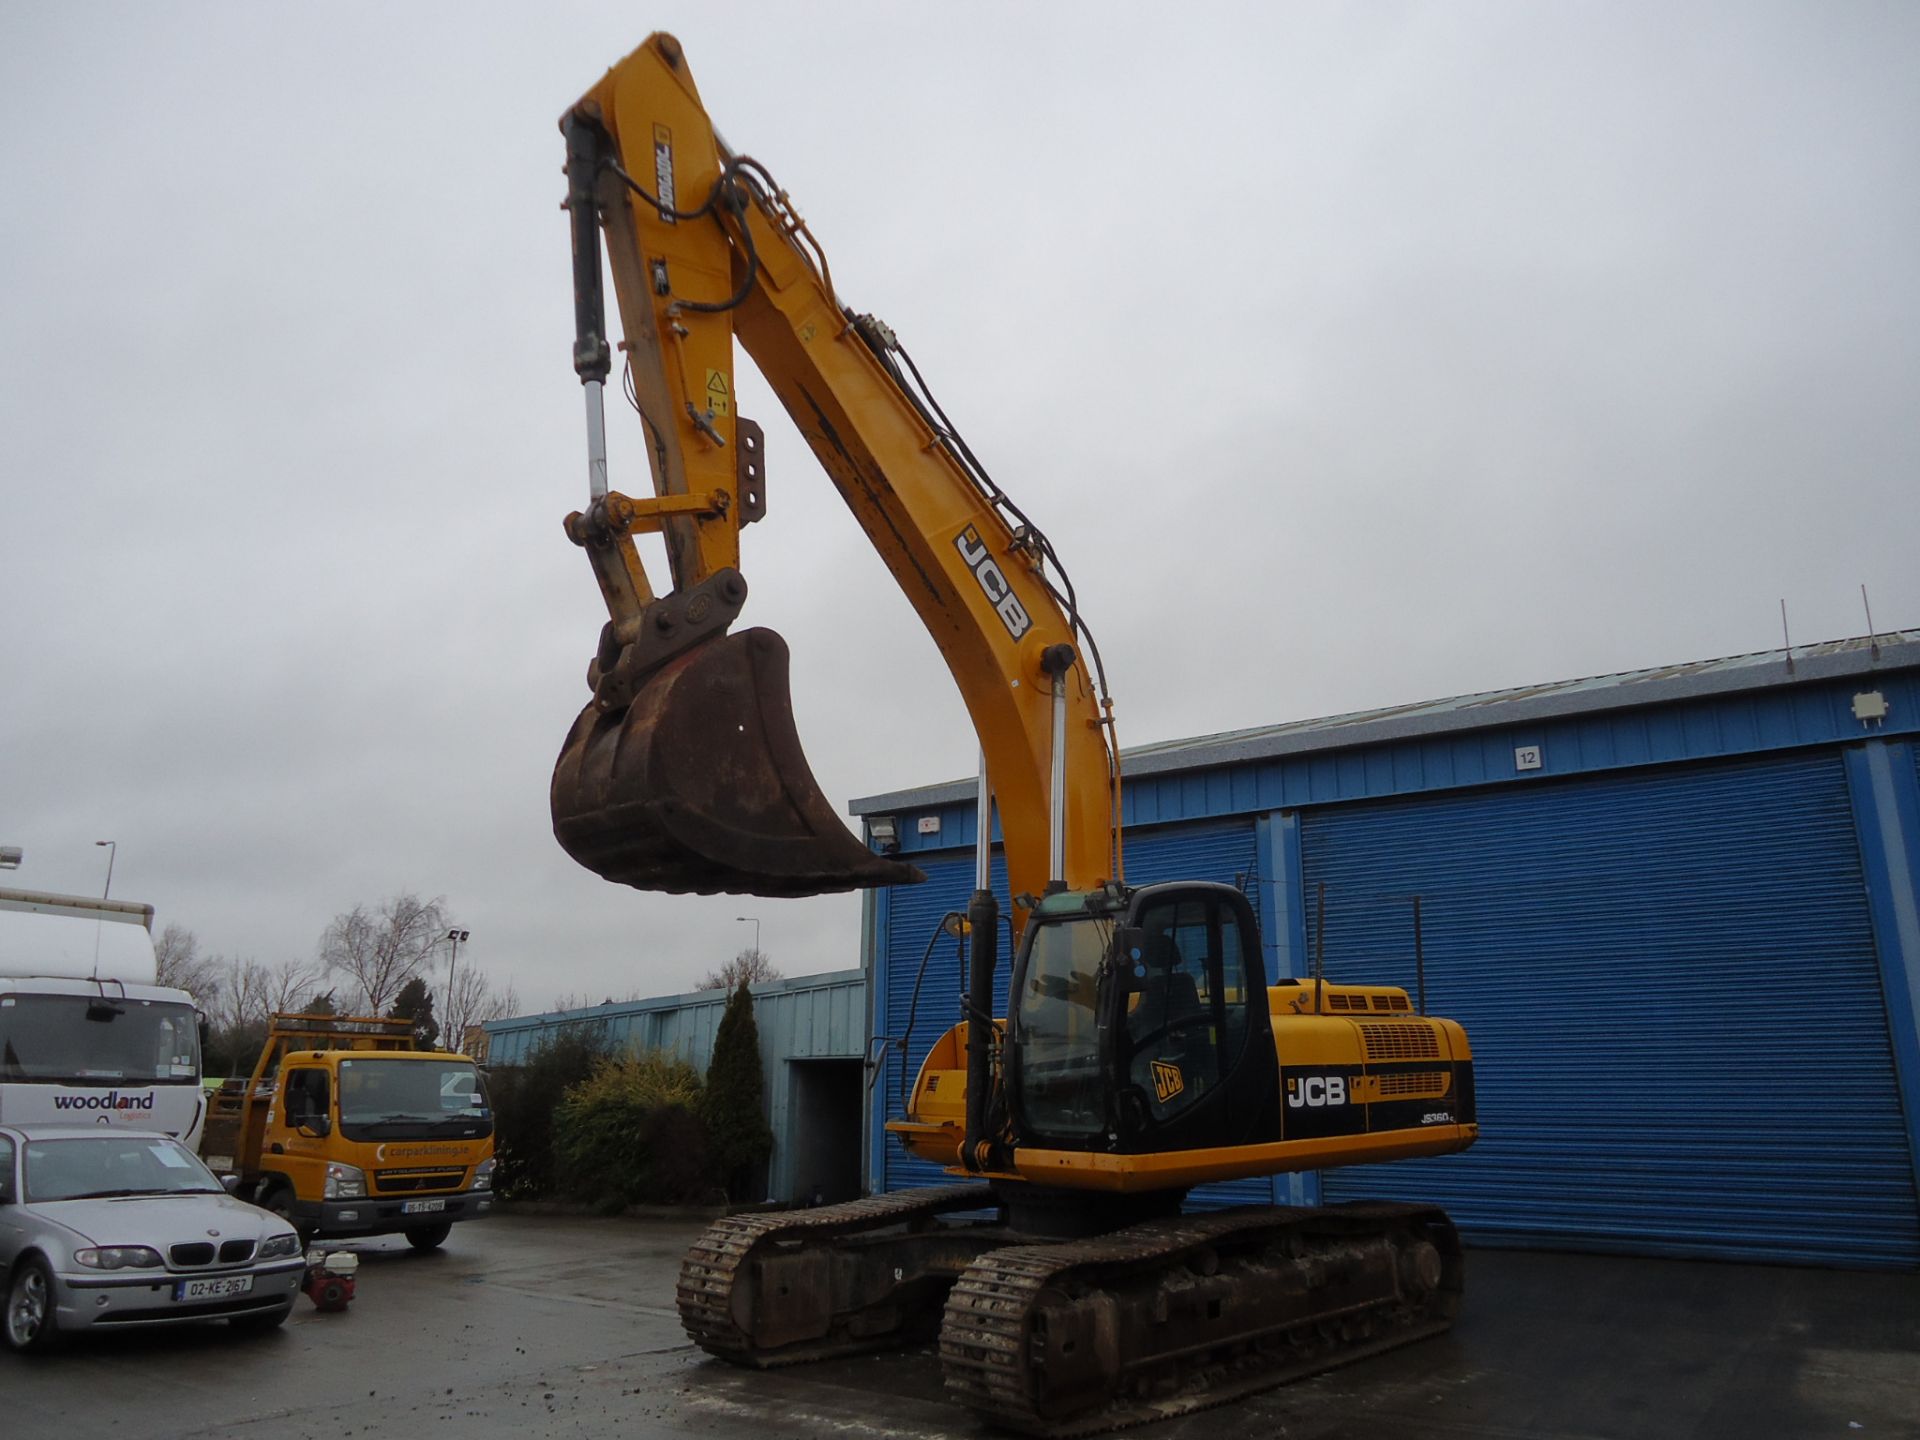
x,y
347,1128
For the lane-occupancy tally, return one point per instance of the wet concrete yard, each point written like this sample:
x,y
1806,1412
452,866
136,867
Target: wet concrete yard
x,y
532,1327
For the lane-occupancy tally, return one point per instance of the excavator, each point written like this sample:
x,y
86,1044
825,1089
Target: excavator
x,y
1145,1051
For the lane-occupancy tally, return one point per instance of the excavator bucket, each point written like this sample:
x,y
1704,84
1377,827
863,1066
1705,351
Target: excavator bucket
x,y
700,785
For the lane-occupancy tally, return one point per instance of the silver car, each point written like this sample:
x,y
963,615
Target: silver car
x,y
114,1228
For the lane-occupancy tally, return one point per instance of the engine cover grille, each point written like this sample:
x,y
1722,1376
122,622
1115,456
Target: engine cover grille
x,y
1407,1040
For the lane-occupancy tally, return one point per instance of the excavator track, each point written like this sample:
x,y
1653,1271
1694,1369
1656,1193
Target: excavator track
x,y
1174,1316
798,1285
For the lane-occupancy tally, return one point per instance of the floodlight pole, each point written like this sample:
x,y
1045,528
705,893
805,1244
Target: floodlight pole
x,y
455,936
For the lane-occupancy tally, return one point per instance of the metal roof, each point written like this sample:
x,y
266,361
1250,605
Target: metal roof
x,y
610,1009
1856,656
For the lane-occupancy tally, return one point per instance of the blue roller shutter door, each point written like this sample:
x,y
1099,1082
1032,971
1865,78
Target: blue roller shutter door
x,y
1669,980
1215,851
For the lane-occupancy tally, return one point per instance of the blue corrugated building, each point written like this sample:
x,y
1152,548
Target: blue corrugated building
x,y
1675,909
812,1044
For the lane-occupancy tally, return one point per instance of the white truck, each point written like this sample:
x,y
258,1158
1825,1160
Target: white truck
x,y
86,1036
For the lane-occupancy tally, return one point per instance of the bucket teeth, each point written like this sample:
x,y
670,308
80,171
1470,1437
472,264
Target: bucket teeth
x,y
699,785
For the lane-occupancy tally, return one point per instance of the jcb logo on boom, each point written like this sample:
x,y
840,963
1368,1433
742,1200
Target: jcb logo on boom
x,y
993,582
1316,1090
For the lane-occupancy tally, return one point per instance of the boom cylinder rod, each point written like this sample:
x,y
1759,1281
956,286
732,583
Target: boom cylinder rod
x,y
983,831
1057,820
1056,662
983,942
984,955
592,356
596,439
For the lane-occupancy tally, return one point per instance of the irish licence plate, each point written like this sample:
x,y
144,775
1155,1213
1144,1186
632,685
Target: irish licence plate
x,y
212,1289
422,1207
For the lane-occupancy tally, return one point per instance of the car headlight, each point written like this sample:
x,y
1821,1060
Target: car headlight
x,y
344,1182
276,1246
483,1175
117,1257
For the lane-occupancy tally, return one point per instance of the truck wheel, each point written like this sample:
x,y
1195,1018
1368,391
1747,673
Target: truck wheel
x,y
432,1237
29,1321
280,1201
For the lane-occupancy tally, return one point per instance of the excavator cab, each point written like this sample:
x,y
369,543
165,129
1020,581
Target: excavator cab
x,y
1141,1023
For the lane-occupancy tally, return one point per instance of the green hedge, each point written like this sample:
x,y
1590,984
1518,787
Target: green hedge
x,y
631,1133
525,1098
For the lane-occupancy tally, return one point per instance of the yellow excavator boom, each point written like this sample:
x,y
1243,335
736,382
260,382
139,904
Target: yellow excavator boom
x,y
704,248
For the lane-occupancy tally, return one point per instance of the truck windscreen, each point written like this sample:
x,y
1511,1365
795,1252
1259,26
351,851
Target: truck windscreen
x,y
88,1039
412,1100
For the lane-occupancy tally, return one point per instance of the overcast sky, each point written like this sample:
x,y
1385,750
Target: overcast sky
x,y
1349,354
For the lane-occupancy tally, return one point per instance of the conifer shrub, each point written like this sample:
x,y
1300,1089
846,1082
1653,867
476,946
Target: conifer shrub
x,y
736,1121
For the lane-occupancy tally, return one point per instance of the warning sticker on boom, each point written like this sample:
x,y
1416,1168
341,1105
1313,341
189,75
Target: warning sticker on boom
x,y
663,171
719,393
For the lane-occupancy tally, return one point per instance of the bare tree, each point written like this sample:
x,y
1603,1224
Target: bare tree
x,y
183,967
749,967
292,982
573,1001
472,1000
246,994
237,1017
243,995
379,950
250,991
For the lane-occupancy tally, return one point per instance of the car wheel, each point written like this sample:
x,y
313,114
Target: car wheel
x,y
29,1322
262,1322
280,1201
430,1238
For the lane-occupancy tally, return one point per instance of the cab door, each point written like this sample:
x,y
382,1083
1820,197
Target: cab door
x,y
1193,1064
297,1136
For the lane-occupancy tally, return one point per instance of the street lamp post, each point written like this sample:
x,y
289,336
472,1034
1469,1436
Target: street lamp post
x,y
755,921
455,936
113,849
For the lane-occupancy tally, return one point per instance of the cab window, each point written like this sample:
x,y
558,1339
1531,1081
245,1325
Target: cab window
x,y
1186,1018
306,1097
1056,1044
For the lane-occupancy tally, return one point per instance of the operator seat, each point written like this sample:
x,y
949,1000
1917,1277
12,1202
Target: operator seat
x,y
1161,1026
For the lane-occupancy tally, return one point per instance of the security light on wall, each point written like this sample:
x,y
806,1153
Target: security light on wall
x,y
882,832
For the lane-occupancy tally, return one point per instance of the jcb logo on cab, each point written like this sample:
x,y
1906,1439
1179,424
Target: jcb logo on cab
x,y
1167,1081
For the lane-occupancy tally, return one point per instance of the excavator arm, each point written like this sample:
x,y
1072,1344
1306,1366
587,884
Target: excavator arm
x,y
684,772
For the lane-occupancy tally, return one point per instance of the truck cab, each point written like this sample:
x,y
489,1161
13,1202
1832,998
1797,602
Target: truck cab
x,y
87,1034
347,1130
